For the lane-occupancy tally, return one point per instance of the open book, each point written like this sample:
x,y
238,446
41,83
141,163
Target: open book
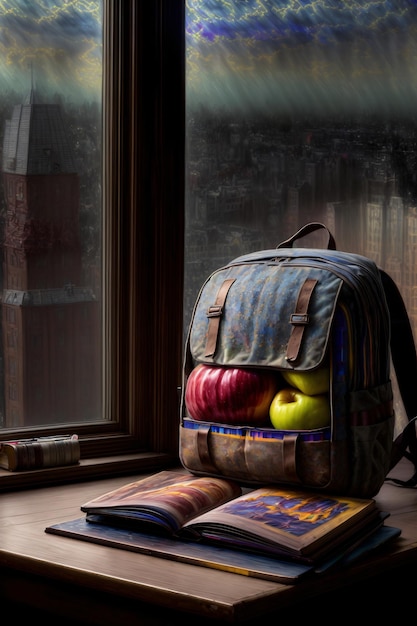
x,y
298,525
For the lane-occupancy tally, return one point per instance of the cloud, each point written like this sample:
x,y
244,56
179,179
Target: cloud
x,y
302,55
60,41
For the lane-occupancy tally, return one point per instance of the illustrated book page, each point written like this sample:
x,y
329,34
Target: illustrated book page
x,y
274,520
163,502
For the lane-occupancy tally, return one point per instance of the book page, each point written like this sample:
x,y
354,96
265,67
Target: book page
x,y
294,520
167,499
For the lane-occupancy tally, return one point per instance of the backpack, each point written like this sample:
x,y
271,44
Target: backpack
x,y
323,323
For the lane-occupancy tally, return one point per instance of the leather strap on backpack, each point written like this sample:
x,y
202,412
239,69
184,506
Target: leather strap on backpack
x,y
311,227
405,445
404,358
214,314
300,319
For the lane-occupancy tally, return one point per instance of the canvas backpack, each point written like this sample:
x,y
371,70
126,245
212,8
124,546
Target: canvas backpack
x,y
294,309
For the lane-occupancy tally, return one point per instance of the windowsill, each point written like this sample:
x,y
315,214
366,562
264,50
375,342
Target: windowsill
x,y
86,469
70,579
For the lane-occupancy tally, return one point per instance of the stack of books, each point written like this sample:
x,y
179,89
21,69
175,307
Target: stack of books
x,y
269,532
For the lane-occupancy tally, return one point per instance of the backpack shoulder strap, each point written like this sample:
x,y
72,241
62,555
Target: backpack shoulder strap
x,y
404,358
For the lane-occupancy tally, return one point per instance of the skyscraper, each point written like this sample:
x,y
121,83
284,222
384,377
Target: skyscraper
x,y
50,320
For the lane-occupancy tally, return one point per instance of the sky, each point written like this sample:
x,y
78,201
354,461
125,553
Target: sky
x,y
58,42
279,56
323,56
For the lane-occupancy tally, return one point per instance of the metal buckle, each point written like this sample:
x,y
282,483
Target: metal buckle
x,y
215,311
299,319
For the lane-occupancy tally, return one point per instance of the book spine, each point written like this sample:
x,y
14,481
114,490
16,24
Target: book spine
x,y
39,454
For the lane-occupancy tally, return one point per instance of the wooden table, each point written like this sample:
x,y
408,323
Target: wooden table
x,y
81,582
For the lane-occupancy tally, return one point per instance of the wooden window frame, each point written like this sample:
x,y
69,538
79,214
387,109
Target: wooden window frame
x,y
143,243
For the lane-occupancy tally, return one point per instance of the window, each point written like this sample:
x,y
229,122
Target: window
x,y
143,186
300,112
276,170
51,225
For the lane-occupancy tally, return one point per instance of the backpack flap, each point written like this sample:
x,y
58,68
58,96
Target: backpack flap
x,y
265,315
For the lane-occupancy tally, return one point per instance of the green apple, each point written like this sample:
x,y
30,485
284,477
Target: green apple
x,y
311,383
293,410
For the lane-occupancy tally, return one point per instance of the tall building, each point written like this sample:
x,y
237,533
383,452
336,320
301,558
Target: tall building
x,y
50,320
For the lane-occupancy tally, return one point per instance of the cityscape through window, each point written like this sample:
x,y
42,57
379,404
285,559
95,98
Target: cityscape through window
x,y
300,112
50,212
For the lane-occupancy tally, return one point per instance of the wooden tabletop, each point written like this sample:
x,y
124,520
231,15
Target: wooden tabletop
x,y
50,570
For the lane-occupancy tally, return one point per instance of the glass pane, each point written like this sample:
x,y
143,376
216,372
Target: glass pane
x,y
50,121
299,112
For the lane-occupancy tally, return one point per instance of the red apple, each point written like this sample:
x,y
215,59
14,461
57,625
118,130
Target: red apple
x,y
293,410
230,395
311,383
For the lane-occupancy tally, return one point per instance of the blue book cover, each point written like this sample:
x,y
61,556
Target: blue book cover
x,y
215,557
